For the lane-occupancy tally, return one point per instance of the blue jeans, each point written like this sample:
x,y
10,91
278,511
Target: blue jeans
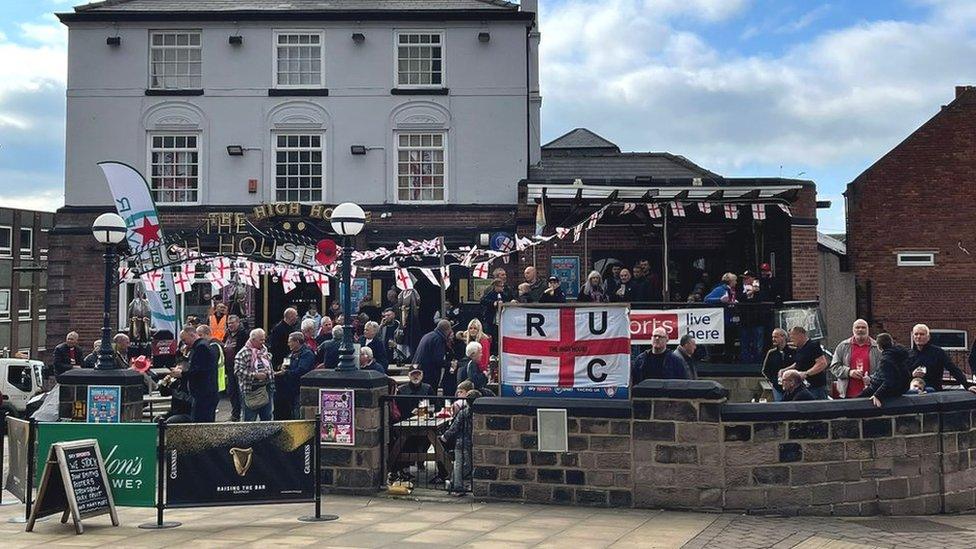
x,y
264,413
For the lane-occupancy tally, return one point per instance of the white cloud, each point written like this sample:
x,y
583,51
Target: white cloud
x,y
846,95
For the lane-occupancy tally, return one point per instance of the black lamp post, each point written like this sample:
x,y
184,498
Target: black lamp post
x,y
109,230
348,220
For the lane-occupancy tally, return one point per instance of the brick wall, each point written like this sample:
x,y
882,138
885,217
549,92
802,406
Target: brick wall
x,y
689,449
918,197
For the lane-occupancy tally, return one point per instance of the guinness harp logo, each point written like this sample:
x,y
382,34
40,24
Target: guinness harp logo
x,y
242,459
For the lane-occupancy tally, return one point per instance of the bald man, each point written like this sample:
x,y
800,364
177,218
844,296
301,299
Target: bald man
x,y
278,338
855,359
657,362
536,284
68,355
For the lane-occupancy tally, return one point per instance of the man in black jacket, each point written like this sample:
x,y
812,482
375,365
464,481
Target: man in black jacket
x,y
793,388
234,340
892,378
278,338
372,339
327,355
68,355
200,376
931,362
777,358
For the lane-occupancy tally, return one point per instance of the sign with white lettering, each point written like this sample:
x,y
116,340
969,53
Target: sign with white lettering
x,y
575,351
706,325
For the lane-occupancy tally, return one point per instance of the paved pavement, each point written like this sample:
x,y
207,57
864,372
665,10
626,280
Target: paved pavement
x,y
403,523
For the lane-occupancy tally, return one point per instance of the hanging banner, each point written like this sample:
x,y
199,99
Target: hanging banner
x,y
706,325
144,235
567,268
104,403
17,436
239,463
129,450
575,351
337,410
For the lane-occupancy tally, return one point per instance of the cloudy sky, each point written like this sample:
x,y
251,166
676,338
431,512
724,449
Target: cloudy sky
x,y
741,87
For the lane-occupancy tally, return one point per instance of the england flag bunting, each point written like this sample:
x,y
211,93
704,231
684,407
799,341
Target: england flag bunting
x,y
759,212
403,279
561,232
577,230
446,276
320,279
654,210
220,268
152,280
678,209
481,270
429,273
628,207
594,217
705,208
289,279
249,274
189,269
181,283
786,209
125,273
731,211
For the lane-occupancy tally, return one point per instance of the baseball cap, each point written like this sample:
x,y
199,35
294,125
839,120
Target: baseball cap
x,y
765,267
553,279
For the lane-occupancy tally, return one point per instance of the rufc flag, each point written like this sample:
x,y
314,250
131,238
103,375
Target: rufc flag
x,y
567,348
130,194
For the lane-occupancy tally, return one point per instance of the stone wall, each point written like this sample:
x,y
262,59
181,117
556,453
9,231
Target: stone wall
x,y
681,445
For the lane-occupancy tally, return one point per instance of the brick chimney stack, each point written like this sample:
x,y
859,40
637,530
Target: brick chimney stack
x,y
963,89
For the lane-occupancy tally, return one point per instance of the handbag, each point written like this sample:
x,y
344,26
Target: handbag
x,y
257,397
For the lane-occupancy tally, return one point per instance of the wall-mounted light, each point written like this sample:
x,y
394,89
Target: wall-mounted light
x,y
357,149
235,40
235,150
484,37
114,40
358,37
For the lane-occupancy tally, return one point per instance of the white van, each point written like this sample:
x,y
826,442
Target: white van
x,y
20,380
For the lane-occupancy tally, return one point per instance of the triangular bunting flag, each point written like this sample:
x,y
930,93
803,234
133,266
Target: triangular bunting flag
x,y
561,232
577,230
628,207
705,207
429,273
481,270
786,209
446,276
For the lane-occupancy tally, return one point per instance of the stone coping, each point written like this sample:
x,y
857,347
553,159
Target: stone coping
x,y
851,408
90,376
680,389
575,407
712,369
354,379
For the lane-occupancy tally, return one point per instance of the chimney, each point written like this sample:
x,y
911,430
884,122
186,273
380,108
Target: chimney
x,y
963,89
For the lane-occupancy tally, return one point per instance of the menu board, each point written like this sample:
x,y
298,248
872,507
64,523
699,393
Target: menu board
x,y
336,408
74,483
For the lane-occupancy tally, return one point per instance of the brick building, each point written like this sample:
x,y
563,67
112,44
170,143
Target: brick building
x,y
910,233
23,280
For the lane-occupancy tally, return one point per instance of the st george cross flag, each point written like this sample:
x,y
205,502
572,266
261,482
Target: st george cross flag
x,y
446,276
429,273
731,211
321,280
403,279
249,274
181,282
705,207
759,212
583,349
577,230
289,279
125,273
594,217
678,209
216,280
152,280
561,232
654,210
786,209
481,270
189,269
628,207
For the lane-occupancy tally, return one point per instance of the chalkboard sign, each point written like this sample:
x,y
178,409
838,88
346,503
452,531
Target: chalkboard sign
x,y
74,483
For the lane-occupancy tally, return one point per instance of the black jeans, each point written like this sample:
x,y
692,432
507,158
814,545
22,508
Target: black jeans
x,y
234,394
204,408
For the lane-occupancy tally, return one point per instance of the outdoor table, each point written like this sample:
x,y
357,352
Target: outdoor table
x,y
428,429
157,400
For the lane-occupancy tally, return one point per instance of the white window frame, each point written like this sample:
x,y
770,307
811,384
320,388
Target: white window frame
x,y
274,59
5,313
153,48
42,313
44,251
27,253
149,164
396,60
20,306
396,165
274,162
901,259
964,333
7,251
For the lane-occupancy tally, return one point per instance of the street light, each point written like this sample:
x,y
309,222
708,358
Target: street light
x,y
348,220
109,230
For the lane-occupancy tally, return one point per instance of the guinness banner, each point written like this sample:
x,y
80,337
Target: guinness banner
x,y
239,463
17,436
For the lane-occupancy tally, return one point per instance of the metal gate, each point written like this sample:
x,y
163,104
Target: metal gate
x,y
427,442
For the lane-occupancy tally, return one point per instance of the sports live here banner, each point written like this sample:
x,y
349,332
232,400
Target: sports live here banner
x,y
568,351
706,325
